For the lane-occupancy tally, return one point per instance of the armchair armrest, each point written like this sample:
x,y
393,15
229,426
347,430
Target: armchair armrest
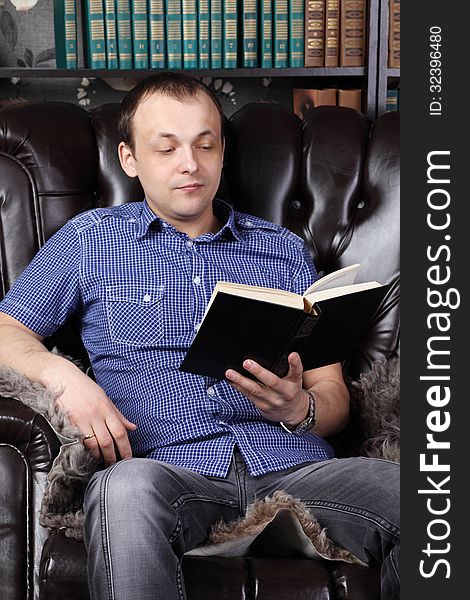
x,y
28,446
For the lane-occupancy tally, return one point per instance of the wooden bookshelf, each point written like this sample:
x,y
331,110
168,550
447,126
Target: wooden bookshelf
x,y
370,78
385,74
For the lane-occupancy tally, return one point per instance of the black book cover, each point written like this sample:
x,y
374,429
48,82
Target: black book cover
x,y
236,328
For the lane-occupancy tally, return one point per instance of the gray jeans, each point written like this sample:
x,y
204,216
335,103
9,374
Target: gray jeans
x,y
142,515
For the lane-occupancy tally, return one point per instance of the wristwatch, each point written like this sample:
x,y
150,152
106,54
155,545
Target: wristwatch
x,y
309,420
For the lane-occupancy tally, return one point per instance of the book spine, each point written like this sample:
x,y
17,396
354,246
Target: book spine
x,y
140,38
296,33
65,34
332,33
203,34
157,38
230,35
250,35
281,33
124,34
315,33
392,100
111,34
296,341
350,98
95,37
190,51
216,34
174,34
352,33
394,34
266,28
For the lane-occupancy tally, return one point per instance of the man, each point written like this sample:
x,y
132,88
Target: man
x,y
140,276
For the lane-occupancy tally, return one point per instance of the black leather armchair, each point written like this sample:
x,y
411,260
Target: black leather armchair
x,y
333,180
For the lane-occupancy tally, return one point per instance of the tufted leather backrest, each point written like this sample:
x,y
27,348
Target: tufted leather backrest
x,y
333,180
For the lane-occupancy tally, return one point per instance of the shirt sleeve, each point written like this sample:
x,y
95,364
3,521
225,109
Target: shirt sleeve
x,y
47,291
306,273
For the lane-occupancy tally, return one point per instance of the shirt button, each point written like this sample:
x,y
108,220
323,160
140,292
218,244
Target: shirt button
x,y
189,243
248,224
147,298
196,327
197,280
165,225
211,391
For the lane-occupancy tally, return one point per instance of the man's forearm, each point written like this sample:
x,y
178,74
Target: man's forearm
x,y
24,352
331,406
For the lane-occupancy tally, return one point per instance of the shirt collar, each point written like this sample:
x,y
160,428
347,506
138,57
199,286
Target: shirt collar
x,y
234,223
222,210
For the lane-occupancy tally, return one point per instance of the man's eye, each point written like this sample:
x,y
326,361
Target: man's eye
x,y
166,150
206,147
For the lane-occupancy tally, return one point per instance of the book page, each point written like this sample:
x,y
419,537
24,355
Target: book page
x,y
341,277
257,293
341,291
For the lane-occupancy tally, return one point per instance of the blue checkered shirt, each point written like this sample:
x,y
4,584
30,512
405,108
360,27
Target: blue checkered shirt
x,y
141,288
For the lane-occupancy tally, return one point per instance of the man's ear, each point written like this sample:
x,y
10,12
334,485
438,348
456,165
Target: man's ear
x,y
127,160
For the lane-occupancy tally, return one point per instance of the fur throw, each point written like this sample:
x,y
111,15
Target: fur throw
x,y
373,431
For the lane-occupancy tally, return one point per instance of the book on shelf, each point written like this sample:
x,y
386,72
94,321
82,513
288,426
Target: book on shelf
x,y
350,98
296,33
94,34
281,33
332,8
216,55
249,18
314,33
353,33
190,50
157,36
323,325
140,37
392,100
65,34
204,34
394,34
174,34
112,61
266,34
305,100
124,33
230,34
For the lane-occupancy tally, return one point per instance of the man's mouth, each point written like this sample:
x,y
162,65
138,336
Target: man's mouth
x,y
190,186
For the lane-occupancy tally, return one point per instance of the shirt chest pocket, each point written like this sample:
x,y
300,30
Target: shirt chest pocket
x,y
135,314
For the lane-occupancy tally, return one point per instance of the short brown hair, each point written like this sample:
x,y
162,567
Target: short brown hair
x,y
167,83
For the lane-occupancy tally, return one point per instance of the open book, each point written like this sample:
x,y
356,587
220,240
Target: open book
x,y
323,325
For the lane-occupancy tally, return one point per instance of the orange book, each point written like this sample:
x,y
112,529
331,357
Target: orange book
x,y
350,98
305,100
353,33
332,33
394,34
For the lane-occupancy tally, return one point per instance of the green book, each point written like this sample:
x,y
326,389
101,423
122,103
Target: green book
x,y
230,44
124,34
65,33
111,34
216,34
94,34
157,36
140,37
296,33
266,28
281,33
190,51
392,100
203,34
250,36
174,34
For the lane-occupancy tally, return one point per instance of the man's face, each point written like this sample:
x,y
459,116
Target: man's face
x,y
178,157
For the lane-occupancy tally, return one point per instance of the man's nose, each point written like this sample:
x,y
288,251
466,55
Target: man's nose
x,y
188,161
